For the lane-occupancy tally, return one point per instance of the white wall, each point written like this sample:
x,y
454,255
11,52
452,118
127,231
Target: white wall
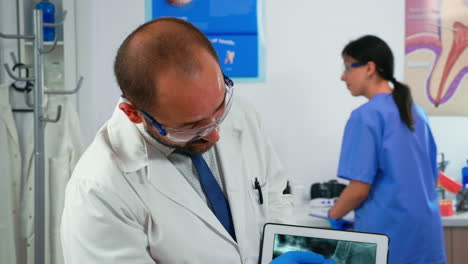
x,y
303,102
8,26
101,27
451,134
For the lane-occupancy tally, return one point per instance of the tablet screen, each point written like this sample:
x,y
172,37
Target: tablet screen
x,y
342,251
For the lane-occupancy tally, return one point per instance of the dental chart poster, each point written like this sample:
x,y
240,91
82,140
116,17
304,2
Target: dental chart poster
x,y
232,27
436,55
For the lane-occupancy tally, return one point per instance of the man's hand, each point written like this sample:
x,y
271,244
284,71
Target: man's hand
x,y
301,257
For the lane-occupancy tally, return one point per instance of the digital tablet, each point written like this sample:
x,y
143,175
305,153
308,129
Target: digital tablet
x,y
348,247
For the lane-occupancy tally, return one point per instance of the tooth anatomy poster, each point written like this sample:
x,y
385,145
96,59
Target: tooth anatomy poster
x,y
436,55
231,26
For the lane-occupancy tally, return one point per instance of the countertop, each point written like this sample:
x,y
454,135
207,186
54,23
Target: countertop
x,y
301,217
456,220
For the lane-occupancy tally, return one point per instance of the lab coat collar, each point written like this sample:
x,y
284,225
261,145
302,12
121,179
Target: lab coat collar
x,y
127,142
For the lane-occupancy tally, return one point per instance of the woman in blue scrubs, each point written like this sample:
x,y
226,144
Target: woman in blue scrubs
x,y
388,154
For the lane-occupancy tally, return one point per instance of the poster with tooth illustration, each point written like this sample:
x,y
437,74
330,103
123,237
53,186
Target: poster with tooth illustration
x,y
232,27
436,55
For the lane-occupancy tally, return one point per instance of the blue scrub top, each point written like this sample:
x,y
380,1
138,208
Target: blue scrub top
x,y
401,166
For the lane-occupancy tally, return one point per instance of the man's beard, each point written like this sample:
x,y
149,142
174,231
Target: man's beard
x,y
198,146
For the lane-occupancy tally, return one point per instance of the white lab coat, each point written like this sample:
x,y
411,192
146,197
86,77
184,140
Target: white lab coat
x,y
63,147
127,203
10,180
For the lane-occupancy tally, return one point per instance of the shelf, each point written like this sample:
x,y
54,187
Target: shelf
x,y
48,43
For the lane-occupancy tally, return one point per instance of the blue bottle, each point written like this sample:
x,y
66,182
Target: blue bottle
x,y
48,16
465,175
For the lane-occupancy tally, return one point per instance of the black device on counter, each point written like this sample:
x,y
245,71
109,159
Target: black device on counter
x,y
462,198
330,189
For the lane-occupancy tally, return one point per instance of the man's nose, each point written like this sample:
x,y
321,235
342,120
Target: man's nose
x,y
213,136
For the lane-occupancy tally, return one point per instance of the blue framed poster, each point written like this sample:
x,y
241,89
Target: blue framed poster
x,y
232,27
236,55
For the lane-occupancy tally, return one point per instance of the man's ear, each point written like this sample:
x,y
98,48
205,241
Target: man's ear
x,y
131,112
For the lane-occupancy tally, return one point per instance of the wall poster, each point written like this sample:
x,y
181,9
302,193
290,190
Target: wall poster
x,y
436,55
232,26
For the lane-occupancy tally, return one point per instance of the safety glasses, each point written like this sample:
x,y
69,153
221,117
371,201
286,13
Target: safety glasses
x,y
347,68
188,135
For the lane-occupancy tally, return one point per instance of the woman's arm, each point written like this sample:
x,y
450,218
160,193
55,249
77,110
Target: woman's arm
x,y
351,197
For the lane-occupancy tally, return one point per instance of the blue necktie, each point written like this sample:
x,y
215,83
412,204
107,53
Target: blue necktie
x,y
214,194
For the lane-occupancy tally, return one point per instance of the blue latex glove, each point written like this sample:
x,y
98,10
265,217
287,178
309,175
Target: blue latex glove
x,y
339,224
301,257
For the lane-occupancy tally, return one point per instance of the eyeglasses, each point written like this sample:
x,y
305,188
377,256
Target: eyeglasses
x,y
188,135
347,68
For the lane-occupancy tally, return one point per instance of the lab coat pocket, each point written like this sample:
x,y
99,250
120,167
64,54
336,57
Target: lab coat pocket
x,y
258,191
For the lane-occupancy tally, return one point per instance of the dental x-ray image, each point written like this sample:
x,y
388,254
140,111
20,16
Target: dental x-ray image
x,y
342,252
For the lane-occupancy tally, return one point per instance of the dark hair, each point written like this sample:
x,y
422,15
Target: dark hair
x,y
372,48
149,50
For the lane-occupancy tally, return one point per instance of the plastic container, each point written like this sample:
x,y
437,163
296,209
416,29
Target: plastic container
x,y
48,16
54,76
465,174
448,183
446,207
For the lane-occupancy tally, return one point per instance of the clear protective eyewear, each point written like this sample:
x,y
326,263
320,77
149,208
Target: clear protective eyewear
x,y
347,68
188,135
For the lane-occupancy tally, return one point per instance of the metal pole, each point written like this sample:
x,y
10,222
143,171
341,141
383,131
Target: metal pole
x,y
39,169
18,31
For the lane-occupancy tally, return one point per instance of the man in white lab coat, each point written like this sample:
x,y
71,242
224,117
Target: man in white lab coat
x,y
135,197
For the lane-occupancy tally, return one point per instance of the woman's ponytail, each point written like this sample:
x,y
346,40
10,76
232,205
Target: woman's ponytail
x,y
404,101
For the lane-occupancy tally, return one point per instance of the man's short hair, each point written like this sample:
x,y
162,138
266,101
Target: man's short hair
x,y
140,61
